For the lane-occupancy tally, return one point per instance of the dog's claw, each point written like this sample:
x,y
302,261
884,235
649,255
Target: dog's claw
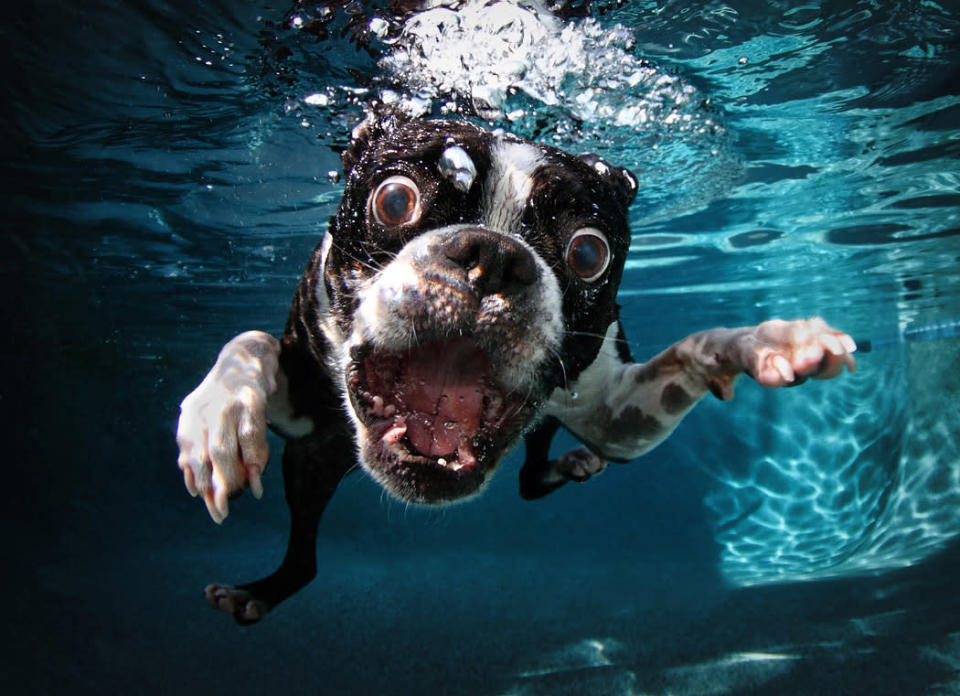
x,y
256,485
832,344
189,482
782,366
848,343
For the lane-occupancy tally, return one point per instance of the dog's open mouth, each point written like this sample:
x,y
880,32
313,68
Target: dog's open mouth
x,y
437,405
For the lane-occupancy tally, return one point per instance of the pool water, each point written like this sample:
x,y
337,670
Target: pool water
x,y
169,166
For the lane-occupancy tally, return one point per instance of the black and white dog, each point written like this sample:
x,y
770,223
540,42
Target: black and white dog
x,y
464,296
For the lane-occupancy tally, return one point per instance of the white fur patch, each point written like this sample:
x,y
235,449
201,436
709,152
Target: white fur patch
x,y
374,321
320,291
509,184
578,400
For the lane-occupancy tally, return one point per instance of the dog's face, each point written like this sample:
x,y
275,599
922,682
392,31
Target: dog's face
x,y
466,275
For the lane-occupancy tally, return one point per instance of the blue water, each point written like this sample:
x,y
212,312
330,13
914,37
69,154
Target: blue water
x,y
166,173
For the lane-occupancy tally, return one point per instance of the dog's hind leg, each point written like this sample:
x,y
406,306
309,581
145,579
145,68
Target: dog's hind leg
x,y
541,475
312,469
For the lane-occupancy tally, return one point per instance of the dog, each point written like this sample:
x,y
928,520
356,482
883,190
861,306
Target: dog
x,y
462,298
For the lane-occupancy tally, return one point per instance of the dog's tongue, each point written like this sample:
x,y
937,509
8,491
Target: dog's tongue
x,y
444,388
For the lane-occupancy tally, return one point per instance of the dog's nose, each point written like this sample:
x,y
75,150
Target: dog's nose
x,y
495,263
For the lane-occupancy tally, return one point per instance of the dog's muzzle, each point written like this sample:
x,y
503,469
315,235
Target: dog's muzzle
x,y
445,363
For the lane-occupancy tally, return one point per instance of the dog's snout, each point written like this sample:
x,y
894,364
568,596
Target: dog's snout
x,y
494,263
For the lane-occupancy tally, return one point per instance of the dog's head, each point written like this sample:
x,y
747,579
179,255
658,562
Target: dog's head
x,y
466,275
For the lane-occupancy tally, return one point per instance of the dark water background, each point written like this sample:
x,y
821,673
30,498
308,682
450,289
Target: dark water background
x,y
164,179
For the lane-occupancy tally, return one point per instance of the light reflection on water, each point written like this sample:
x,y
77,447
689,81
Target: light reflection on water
x,y
861,477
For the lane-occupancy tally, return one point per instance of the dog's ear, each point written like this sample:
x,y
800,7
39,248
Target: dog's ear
x,y
381,120
622,181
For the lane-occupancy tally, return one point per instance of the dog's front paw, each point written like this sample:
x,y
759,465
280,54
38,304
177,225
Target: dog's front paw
x,y
781,353
245,608
579,465
222,432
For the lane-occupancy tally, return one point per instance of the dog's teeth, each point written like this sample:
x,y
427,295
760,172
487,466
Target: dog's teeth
x,y
389,410
465,455
393,435
454,465
378,404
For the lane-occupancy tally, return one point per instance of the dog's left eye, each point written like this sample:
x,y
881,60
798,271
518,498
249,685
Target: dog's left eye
x,y
588,254
396,201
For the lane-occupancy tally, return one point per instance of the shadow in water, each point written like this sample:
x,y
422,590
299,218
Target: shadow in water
x,y
894,634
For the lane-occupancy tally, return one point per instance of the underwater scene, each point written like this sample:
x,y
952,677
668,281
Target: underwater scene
x,y
168,168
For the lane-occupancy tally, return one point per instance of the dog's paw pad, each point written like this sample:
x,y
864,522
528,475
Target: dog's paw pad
x,y
579,464
233,600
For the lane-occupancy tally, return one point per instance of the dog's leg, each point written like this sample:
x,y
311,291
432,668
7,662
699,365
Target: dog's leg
x,y
625,409
541,475
312,469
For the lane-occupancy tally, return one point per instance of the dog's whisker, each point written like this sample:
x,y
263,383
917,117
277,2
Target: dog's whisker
x,y
571,332
563,368
370,263
391,255
412,341
635,345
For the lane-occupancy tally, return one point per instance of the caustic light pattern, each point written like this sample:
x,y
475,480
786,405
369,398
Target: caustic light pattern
x,y
861,476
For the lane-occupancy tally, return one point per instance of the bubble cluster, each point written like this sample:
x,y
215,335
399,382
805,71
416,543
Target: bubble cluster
x,y
579,85
482,55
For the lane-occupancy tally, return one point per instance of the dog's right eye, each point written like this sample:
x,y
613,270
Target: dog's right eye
x,y
395,202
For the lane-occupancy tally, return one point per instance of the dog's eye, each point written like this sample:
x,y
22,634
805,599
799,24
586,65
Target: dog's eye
x,y
396,201
588,254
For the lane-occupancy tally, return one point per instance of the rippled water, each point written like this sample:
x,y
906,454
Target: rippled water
x,y
167,169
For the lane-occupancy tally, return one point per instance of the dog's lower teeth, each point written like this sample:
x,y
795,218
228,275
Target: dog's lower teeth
x,y
394,434
454,465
